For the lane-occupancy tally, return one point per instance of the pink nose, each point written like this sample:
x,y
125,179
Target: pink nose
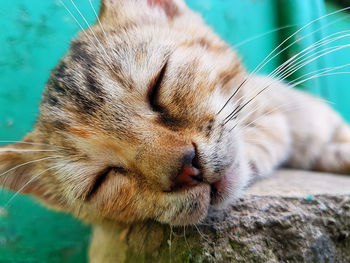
x,y
189,175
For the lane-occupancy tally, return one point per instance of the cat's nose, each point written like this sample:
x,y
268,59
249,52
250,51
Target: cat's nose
x,y
190,174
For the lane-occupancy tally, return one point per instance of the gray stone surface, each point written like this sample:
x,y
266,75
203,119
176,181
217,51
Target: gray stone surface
x,y
295,183
291,217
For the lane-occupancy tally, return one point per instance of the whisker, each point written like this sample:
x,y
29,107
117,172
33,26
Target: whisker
x,y
263,63
240,108
26,184
106,58
188,246
30,162
87,23
316,45
300,39
321,75
323,53
86,34
170,243
231,97
20,150
267,60
319,71
200,233
262,35
76,20
281,108
295,58
310,60
101,26
289,63
32,143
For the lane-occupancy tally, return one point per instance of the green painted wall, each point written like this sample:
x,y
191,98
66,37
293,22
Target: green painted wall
x,y
36,33
338,86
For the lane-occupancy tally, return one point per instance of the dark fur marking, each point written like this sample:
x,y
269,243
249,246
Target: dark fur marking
x,y
60,70
209,128
94,87
58,87
79,53
52,101
169,121
217,163
87,105
59,125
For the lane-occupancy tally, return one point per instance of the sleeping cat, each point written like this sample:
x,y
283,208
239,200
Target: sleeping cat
x,y
150,115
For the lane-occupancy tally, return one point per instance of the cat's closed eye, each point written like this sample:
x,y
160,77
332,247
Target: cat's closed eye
x,y
102,177
154,89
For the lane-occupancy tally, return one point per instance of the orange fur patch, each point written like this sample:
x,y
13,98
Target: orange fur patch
x,y
82,133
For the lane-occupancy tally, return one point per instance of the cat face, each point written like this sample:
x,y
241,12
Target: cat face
x,y
132,112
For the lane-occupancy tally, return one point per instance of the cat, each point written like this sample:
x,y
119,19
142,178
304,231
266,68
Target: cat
x,y
150,115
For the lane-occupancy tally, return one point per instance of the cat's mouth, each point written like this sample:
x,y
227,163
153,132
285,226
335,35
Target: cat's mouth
x,y
203,196
217,189
193,203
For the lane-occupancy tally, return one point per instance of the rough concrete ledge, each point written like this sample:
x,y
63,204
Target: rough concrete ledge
x,y
305,219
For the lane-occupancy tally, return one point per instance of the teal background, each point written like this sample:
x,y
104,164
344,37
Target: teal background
x,y
36,33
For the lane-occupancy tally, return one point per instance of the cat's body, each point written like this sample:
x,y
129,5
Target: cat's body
x,y
136,123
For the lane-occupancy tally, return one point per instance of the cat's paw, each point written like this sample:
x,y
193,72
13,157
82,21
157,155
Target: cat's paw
x,y
335,158
335,155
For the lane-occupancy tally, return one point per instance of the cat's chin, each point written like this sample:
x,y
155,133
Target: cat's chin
x,y
196,202
187,206
206,196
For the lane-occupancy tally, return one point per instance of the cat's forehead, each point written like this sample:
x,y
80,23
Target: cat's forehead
x,y
108,72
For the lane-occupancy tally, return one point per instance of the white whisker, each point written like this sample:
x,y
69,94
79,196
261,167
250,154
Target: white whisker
x,y
188,246
268,85
26,184
310,60
92,31
263,63
23,151
101,26
267,60
322,42
26,163
32,143
281,108
293,66
321,75
201,234
170,243
292,59
319,71
87,35
261,35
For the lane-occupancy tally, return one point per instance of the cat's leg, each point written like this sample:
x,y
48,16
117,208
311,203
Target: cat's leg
x,y
320,137
267,143
332,155
305,133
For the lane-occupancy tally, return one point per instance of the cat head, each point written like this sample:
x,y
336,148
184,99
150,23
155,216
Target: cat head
x,y
129,126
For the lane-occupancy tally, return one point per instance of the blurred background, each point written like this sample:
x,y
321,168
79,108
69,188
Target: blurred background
x,y
36,33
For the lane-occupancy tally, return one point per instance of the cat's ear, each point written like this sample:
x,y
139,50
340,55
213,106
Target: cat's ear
x,y
21,165
171,7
